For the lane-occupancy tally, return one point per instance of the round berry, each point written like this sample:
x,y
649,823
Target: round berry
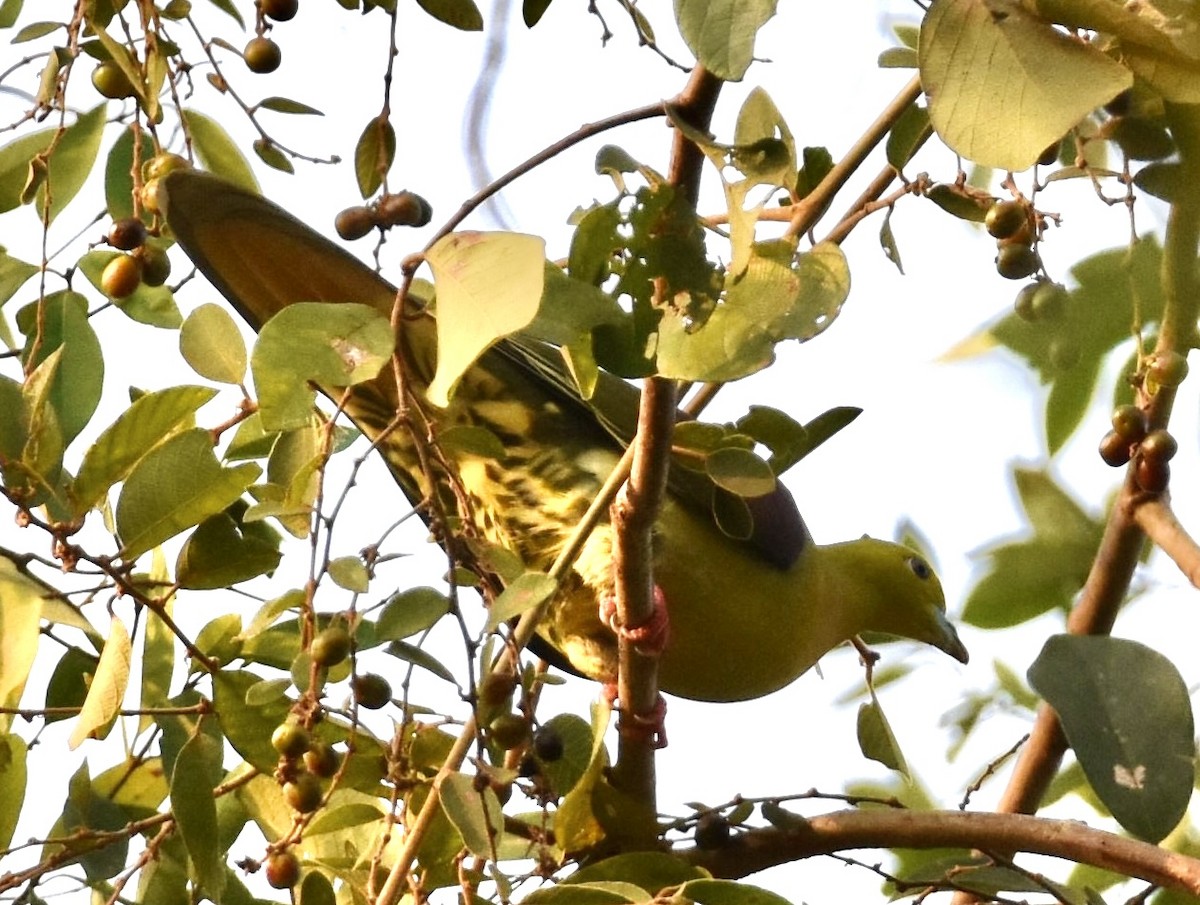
x,y
127,234
1023,305
280,10
371,691
156,266
496,688
111,81
322,760
1015,262
1159,446
121,277
331,646
161,164
1005,219
403,209
1167,369
1152,475
1049,300
1130,422
354,222
1114,449
262,55
283,870
303,793
290,739
548,744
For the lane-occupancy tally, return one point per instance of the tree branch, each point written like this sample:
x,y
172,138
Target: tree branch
x,y
759,849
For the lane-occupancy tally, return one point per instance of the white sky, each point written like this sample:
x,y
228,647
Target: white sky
x,y
933,444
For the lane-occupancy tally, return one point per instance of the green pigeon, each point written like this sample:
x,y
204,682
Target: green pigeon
x,y
747,616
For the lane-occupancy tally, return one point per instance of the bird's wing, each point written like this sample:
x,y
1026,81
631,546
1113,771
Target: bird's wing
x,y
262,259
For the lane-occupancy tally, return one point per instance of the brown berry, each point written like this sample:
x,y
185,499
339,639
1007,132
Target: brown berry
x,y
262,55
303,793
1114,449
1167,369
127,234
1159,446
371,691
1015,262
1005,219
354,222
403,209
111,81
331,646
280,10
156,265
121,277
290,739
283,870
1152,475
1130,422
322,760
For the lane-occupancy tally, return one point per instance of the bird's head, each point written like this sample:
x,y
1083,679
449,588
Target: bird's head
x,y
899,594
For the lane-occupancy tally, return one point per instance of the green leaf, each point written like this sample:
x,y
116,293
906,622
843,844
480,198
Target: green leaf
x,y
222,552
118,174
287,105
195,810
350,572
10,10
721,33
75,388
907,135
177,485
477,815
488,286
211,343
876,739
374,154
410,653
248,728
15,160
727,892
461,14
410,612
331,345
533,10
344,816
107,689
73,159
268,152
1003,84
151,305
740,472
217,151
529,590
13,775
1126,712
124,443
68,683
19,618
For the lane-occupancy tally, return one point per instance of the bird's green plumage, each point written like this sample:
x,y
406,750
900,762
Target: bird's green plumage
x,y
747,616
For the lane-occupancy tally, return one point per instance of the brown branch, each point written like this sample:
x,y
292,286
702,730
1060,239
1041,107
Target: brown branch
x,y
757,850
638,505
1156,517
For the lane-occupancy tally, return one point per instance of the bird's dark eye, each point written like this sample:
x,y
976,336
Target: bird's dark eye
x,y
920,568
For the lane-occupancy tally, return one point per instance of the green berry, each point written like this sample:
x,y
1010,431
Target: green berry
x,y
331,646
303,793
156,265
1023,305
1005,219
262,55
322,760
1130,423
1015,262
290,739
1049,301
111,81
371,691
